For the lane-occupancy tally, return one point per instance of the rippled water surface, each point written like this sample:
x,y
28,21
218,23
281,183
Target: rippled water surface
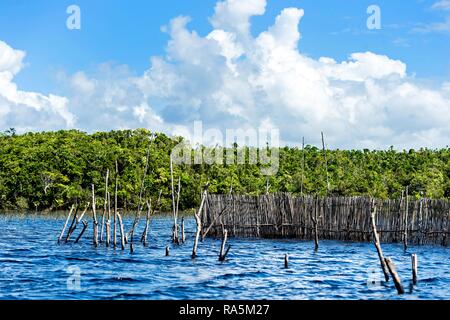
x,y
34,266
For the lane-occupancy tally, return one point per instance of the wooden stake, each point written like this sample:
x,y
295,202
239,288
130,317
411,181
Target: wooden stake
x,y
199,223
65,224
147,223
122,235
175,225
105,206
85,224
414,268
286,261
72,225
376,241
167,251
178,197
405,228
108,222
223,253
76,221
94,216
393,271
115,206
183,238
315,223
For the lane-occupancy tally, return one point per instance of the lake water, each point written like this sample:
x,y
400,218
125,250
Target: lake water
x,y
34,266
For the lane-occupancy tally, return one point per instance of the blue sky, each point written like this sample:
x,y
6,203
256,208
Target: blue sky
x,y
129,33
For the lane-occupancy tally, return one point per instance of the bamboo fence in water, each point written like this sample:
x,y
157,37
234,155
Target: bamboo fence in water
x,y
282,215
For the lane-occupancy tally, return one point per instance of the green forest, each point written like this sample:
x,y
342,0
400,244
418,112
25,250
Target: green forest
x,y
53,170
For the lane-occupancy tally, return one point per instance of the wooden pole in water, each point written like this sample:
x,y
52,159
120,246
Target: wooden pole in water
x,y
115,206
178,197
105,209
223,253
76,221
393,271
167,251
175,225
72,225
94,216
122,235
108,221
85,224
376,241
183,237
315,223
147,223
405,227
286,261
414,268
199,223
65,224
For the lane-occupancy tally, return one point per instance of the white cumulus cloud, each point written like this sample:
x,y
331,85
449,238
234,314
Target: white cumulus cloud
x,y
27,110
231,79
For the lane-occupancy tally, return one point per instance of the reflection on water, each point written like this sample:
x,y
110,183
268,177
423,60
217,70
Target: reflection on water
x,y
34,266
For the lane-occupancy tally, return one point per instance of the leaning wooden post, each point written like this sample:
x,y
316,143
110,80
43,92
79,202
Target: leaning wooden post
x,y
223,252
376,241
85,224
72,225
198,220
115,206
286,261
147,223
65,224
393,271
414,268
94,216
122,235
76,221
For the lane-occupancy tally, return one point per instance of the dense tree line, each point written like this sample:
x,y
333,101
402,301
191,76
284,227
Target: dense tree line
x,y
52,170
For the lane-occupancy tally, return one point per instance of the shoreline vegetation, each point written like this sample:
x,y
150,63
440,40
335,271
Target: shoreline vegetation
x,y
50,171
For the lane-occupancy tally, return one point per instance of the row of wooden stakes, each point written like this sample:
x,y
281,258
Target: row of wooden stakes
x,y
128,238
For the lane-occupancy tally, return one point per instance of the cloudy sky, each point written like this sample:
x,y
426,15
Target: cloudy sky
x,y
300,66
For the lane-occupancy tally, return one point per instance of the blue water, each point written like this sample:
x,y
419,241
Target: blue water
x,y
34,266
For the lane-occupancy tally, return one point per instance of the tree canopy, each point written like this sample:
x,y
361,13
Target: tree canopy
x,y
52,170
